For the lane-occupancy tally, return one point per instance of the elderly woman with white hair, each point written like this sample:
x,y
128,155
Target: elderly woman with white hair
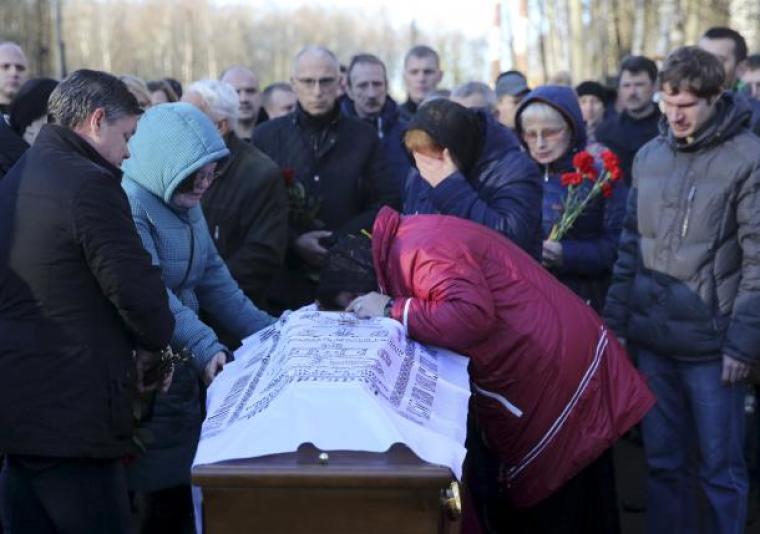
x,y
247,207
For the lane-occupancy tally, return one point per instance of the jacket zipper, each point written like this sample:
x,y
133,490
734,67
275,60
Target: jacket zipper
x,y
689,204
511,408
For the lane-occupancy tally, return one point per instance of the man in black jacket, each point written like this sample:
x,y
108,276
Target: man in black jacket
x,y
78,295
368,100
730,47
247,206
422,74
338,173
638,123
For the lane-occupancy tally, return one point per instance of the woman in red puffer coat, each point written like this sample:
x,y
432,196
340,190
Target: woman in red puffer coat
x,y
553,390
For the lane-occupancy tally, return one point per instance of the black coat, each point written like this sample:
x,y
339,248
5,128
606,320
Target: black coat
x,y
77,294
12,147
345,177
625,135
247,214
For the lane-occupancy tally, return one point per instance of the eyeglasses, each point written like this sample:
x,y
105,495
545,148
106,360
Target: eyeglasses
x,y
206,176
311,83
547,134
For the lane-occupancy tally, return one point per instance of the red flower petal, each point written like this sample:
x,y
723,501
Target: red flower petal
x,y
570,178
583,161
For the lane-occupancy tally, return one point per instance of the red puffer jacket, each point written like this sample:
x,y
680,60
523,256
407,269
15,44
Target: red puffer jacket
x,y
553,390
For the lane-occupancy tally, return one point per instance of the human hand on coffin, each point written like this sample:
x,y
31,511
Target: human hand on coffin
x,y
214,367
369,305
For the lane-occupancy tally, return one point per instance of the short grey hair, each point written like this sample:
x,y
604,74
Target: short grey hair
x,y
84,91
222,99
317,50
476,88
541,111
266,94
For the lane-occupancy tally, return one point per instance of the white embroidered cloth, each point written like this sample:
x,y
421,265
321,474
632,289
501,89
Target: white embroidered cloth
x,y
339,382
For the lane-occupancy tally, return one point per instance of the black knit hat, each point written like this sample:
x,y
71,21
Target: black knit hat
x,y
30,103
452,126
348,267
592,88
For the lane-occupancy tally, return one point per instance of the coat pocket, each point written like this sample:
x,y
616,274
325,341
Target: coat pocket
x,y
501,399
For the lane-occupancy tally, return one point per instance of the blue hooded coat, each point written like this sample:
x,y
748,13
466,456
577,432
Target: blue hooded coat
x,y
502,190
172,142
589,249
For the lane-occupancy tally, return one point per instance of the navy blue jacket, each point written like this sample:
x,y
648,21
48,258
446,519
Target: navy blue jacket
x,y
502,190
390,129
589,249
625,135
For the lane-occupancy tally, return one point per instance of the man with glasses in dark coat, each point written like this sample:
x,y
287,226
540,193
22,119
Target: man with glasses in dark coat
x,y
337,173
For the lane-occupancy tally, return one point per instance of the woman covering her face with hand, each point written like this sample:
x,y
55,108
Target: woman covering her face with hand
x,y
470,166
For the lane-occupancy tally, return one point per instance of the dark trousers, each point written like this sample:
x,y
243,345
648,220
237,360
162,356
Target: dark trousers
x,y
167,511
62,496
587,503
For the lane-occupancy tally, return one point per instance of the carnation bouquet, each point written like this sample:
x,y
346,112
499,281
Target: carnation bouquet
x,y
578,198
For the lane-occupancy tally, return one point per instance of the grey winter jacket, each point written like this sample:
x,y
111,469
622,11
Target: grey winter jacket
x,y
687,280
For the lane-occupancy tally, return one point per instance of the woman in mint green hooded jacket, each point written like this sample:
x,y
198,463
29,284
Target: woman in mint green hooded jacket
x,y
173,157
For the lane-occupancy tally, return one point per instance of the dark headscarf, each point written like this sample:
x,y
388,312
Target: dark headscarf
x,y
348,267
452,126
30,103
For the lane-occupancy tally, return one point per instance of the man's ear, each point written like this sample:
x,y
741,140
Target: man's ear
x,y
91,125
96,120
440,77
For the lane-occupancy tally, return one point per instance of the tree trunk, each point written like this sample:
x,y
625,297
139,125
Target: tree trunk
x,y
579,61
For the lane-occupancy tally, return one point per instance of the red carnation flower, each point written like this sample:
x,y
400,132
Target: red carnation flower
x,y
610,160
570,178
607,189
584,162
289,175
592,174
616,174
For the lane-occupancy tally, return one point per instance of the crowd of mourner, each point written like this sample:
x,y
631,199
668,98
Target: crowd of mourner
x,y
593,250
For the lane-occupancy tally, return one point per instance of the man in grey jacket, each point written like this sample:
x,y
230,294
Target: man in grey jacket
x,y
686,293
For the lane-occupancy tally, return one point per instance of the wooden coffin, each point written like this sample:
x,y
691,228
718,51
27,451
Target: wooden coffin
x,y
332,492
